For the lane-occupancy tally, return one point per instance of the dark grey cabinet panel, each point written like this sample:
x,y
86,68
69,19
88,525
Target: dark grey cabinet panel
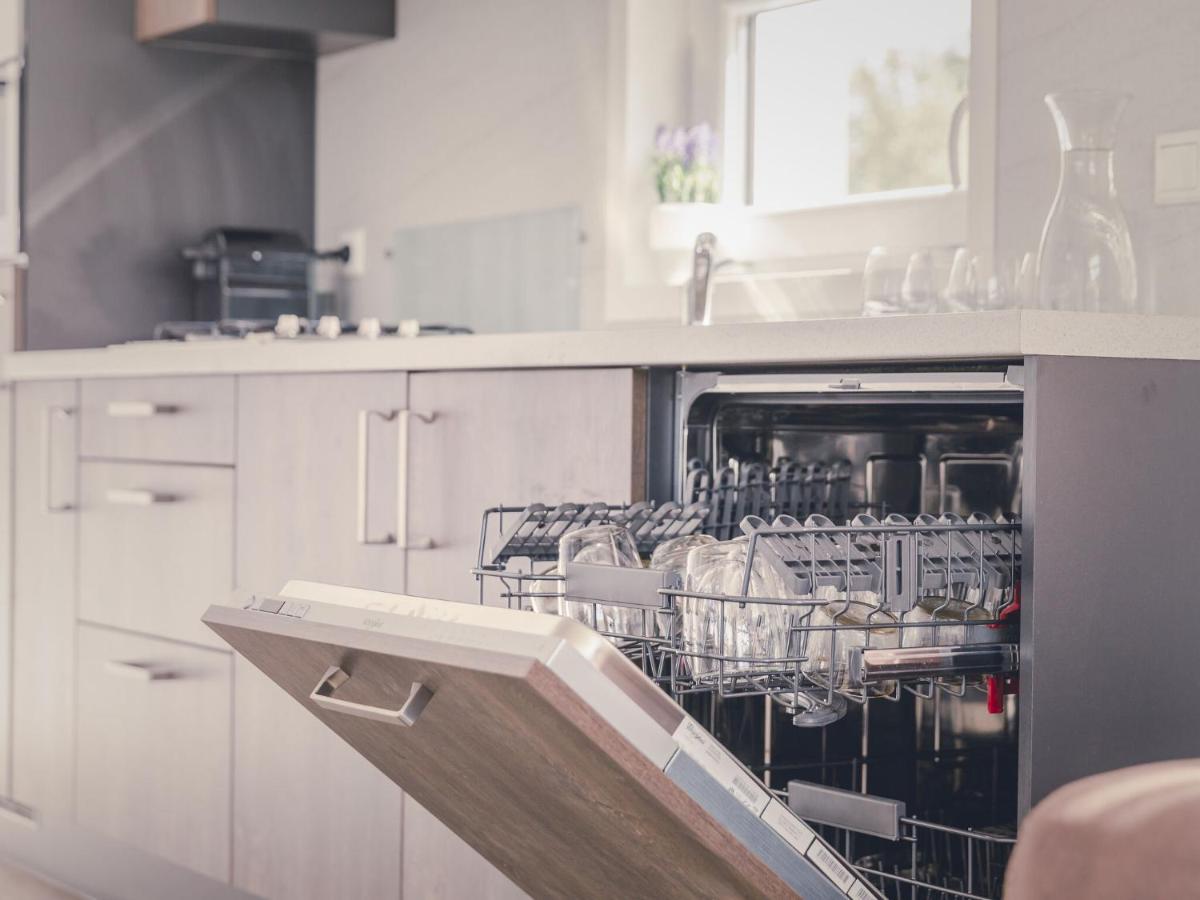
x,y
1111,613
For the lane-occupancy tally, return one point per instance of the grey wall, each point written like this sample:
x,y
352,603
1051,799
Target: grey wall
x,y
1146,49
132,152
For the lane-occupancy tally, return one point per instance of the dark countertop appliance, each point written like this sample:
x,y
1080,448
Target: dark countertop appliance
x,y
257,273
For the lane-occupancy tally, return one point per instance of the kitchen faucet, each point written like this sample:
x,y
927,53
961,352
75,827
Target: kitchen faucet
x,y
697,308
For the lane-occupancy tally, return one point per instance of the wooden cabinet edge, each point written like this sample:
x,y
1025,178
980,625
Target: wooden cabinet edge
x,y
156,19
638,430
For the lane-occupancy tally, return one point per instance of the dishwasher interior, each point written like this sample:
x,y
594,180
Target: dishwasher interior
x,y
863,659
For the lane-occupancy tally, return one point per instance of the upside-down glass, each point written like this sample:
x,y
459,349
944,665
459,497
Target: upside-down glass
x,y
962,287
671,556
828,650
954,628
542,595
918,292
883,276
750,635
602,545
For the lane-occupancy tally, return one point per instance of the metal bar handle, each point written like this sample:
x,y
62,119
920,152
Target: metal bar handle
x,y
139,671
364,468
322,695
137,409
402,536
53,414
135,497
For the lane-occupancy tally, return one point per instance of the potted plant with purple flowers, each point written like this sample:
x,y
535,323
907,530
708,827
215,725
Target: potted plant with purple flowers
x,y
684,170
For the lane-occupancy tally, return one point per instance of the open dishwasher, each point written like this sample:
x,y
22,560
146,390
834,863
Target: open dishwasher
x,y
883,710
855,733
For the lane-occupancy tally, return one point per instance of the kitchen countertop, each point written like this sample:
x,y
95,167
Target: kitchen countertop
x,y
970,336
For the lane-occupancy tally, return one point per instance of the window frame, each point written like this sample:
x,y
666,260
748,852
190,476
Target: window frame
x,y
936,216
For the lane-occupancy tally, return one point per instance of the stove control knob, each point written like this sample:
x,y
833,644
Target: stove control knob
x,y
370,328
287,326
329,327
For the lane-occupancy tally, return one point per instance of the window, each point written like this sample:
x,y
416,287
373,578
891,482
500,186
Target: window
x,y
851,97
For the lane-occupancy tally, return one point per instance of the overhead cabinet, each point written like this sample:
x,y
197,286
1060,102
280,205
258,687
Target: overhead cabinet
x,y
302,28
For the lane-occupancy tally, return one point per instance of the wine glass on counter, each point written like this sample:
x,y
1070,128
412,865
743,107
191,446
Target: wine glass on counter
x,y
916,288
883,276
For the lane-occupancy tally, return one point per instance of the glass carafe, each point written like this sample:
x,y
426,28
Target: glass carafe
x,y
1085,261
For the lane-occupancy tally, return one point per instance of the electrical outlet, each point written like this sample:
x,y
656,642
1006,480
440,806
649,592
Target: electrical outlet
x,y
356,240
1177,167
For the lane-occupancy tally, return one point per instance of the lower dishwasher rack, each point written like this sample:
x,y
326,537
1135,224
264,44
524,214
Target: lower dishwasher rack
x,y
922,610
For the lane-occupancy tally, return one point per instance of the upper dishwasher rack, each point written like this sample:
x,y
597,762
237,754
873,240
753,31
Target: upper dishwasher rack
x,y
896,560
869,607
532,532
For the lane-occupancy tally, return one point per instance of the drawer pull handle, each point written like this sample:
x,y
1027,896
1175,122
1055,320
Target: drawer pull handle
x,y
139,671
135,497
137,409
322,695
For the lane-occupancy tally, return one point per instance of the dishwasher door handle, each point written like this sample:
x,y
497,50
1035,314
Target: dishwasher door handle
x,y
322,695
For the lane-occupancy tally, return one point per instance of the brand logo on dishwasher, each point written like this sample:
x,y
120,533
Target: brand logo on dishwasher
x,y
372,623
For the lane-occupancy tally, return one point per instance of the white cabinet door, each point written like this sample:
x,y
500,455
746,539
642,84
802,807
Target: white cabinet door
x,y
151,531
502,437
11,48
513,437
154,730
6,605
44,568
317,498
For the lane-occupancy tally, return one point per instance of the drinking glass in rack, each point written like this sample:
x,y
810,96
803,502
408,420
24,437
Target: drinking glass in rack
x,y
750,638
604,545
839,627
671,556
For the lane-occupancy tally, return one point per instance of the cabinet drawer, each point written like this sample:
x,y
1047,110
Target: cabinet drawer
x,y
154,730
155,546
167,419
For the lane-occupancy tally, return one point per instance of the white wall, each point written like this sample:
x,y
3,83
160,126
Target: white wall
x,y
1146,48
480,109
477,109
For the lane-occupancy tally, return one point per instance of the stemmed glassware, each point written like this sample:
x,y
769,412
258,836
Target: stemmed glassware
x,y
890,289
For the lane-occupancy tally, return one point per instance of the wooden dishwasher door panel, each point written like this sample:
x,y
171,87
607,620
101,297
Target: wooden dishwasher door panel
x,y
507,751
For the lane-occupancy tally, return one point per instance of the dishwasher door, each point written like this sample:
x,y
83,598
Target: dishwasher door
x,y
538,743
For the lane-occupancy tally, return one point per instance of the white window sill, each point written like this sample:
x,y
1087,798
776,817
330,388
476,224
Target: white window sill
x,y
929,217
